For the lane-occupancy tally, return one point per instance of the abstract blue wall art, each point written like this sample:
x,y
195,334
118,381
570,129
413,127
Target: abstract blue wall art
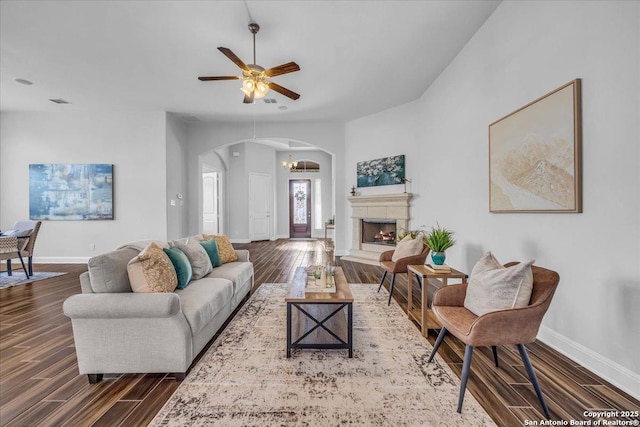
x,y
71,191
385,171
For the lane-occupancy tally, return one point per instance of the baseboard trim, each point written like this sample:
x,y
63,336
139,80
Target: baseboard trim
x,y
616,374
341,252
240,240
61,260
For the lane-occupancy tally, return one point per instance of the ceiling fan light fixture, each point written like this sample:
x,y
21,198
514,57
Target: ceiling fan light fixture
x,y
261,89
248,86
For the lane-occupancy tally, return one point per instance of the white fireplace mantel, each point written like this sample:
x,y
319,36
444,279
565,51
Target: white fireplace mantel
x,y
376,206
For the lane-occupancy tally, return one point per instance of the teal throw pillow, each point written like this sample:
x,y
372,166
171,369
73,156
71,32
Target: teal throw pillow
x,y
212,250
181,264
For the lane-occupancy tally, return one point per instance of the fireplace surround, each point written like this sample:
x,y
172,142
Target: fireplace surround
x,y
381,208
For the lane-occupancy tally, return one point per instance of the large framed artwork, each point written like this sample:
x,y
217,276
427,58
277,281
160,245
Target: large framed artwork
x,y
535,155
385,171
71,191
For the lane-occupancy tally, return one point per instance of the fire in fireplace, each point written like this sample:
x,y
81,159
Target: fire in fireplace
x,y
379,231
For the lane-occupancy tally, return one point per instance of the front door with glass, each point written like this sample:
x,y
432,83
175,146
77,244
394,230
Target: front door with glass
x,y
300,208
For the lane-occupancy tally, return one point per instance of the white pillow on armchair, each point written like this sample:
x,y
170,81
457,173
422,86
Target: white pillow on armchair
x,y
408,247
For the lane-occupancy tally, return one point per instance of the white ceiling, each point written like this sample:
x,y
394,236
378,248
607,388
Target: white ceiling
x,y
356,57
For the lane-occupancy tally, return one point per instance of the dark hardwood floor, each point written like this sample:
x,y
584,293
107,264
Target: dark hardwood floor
x,y
40,384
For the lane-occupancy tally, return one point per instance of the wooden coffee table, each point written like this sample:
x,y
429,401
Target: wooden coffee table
x,y
319,319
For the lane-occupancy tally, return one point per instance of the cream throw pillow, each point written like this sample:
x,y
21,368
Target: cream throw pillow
x,y
198,258
152,271
408,247
493,287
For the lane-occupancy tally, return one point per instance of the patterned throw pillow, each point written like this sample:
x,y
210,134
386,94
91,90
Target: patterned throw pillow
x,y
408,247
211,246
198,258
152,271
225,248
181,264
493,287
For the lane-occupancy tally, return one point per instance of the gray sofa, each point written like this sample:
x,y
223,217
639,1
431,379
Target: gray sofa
x,y
118,331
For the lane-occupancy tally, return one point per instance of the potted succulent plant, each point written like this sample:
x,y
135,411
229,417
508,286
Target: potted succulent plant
x,y
439,240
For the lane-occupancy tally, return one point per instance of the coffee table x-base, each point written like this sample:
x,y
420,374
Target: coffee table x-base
x,y
318,320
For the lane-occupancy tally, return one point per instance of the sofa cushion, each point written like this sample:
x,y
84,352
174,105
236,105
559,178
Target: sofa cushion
x,y
108,272
225,248
236,272
408,247
212,250
181,264
203,299
198,257
152,271
493,287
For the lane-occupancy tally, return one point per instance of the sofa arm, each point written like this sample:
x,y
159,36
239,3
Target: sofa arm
x,y
121,305
243,255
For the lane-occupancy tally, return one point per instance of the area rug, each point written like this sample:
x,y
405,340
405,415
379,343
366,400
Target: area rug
x,y
20,279
245,379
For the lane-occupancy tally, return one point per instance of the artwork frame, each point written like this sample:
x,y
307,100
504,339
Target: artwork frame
x,y
383,171
535,155
71,191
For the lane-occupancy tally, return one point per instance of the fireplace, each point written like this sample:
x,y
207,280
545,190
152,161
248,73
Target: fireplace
x,y
371,215
379,231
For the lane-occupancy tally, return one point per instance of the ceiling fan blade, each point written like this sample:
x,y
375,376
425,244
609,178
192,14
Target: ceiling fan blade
x,y
248,99
232,56
289,67
283,90
206,79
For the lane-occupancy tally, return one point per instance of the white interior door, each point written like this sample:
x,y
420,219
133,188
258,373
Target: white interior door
x,y
210,203
260,197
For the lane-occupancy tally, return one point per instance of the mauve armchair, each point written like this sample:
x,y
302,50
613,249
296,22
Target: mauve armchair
x,y
517,326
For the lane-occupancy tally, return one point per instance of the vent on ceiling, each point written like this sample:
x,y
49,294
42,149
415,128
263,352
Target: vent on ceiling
x,y
270,101
59,101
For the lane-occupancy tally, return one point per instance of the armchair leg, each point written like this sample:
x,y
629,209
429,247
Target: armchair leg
x,y
30,265
393,280
466,367
534,380
495,354
382,281
439,340
9,273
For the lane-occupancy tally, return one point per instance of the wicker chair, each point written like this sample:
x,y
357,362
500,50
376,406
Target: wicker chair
x,y
10,249
27,250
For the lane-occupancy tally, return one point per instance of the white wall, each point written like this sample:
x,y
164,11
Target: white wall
x,y
176,177
326,181
523,51
204,137
133,142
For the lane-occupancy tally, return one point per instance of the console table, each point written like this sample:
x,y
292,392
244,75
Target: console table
x,y
424,316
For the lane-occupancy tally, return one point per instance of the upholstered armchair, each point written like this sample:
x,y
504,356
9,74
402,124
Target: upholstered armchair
x,y
517,326
400,266
10,248
27,250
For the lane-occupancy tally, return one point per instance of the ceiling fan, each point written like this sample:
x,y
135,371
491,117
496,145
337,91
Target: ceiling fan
x,y
256,81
